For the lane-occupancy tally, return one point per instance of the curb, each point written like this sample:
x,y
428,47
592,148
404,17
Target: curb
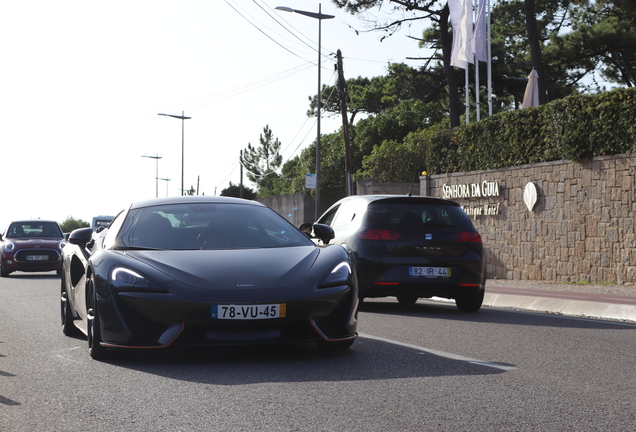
x,y
576,308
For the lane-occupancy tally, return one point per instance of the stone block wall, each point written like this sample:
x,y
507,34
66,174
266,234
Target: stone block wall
x,y
581,227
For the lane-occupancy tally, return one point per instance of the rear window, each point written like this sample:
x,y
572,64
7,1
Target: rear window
x,y
385,214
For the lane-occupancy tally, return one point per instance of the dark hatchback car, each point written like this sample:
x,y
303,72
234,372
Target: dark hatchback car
x,y
32,246
411,247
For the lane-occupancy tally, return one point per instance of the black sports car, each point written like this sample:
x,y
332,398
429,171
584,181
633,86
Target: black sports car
x,y
205,271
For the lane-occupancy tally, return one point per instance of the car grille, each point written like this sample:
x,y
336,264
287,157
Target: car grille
x,y
37,255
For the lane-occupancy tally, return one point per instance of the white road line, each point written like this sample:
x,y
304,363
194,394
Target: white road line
x,y
440,353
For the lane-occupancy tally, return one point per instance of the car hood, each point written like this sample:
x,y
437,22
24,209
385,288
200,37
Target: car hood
x,y
32,242
231,269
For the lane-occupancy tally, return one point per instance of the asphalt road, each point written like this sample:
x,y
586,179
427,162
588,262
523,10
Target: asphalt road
x,y
417,368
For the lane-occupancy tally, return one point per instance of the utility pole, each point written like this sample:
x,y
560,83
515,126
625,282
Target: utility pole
x,y
241,182
342,91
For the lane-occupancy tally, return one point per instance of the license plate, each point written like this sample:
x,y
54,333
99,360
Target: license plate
x,y
430,272
37,257
248,312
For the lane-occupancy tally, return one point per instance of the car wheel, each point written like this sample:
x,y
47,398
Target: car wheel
x,y
3,272
93,330
68,328
336,345
407,299
471,302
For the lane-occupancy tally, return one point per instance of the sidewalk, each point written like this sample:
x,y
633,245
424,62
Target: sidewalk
x,y
612,302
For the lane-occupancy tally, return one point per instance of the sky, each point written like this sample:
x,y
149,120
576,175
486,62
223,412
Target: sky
x,y
82,83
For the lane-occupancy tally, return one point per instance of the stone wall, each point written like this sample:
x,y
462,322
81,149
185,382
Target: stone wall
x,y
581,227
297,208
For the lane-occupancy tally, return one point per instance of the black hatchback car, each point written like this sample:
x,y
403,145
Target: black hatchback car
x,y
411,247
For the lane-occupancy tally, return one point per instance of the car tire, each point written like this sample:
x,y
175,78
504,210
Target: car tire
x,y
3,272
68,328
407,299
471,302
93,330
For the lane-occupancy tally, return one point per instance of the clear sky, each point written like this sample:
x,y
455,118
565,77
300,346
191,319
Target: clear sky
x,y
82,82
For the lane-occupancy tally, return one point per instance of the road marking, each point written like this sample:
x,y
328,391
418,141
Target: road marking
x,y
440,353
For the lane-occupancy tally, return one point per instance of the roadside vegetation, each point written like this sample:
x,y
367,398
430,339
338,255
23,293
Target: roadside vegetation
x,y
413,119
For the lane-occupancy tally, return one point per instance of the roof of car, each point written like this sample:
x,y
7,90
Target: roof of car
x,y
371,198
33,221
194,200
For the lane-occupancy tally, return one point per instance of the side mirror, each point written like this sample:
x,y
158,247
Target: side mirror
x,y
323,232
81,236
306,228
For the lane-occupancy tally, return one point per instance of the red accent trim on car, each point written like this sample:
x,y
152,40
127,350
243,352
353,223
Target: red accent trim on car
x,y
322,335
111,345
471,285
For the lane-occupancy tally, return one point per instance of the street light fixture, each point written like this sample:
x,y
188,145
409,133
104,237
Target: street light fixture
x,y
183,119
166,180
319,16
157,172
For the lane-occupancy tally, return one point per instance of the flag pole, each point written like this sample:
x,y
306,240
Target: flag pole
x,y
489,67
476,63
467,95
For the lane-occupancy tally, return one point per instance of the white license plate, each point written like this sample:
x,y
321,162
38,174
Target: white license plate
x,y
37,257
430,272
248,312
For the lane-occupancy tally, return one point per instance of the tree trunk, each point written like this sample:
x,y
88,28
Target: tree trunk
x,y
454,105
535,49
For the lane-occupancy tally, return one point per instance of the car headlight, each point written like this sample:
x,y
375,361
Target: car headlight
x,y
8,246
61,244
122,277
338,276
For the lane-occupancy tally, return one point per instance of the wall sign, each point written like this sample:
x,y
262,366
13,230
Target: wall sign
x,y
470,190
484,189
530,195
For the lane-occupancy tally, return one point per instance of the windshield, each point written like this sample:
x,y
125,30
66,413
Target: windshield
x,y
33,229
207,226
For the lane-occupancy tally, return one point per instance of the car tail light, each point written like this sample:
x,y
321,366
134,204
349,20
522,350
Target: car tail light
x,y
378,234
467,237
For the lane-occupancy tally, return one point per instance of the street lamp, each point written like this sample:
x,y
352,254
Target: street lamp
x,y
157,173
183,119
319,16
166,180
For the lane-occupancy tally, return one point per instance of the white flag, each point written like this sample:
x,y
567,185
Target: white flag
x,y
478,40
461,14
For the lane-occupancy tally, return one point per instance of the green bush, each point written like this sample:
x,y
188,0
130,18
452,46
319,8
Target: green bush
x,y
573,128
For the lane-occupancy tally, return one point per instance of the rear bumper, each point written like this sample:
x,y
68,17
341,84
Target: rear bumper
x,y
449,290
392,279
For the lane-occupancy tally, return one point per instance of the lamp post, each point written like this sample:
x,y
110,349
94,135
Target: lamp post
x,y
166,180
183,119
319,16
157,173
